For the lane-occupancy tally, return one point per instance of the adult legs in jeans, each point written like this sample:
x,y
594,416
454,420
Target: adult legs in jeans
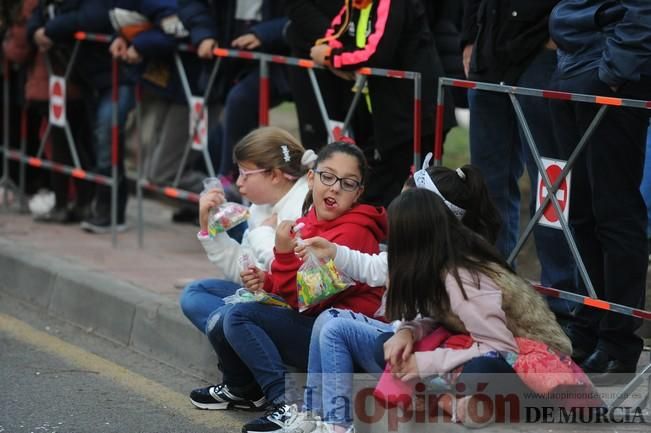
x,y
350,332
499,149
238,117
103,148
266,338
607,212
645,188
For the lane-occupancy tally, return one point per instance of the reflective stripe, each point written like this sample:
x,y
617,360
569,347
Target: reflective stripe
x,y
362,26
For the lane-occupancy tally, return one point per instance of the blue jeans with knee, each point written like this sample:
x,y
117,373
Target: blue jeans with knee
x,y
342,342
500,151
266,338
202,302
201,299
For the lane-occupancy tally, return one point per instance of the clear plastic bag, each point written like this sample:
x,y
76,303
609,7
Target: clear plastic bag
x,y
225,216
245,295
318,280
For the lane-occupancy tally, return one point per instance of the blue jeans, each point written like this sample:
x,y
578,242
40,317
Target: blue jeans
x,y
201,299
645,188
241,115
266,338
103,147
341,340
498,148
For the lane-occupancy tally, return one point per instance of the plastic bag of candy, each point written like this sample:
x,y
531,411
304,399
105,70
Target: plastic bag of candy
x,y
245,295
318,280
225,216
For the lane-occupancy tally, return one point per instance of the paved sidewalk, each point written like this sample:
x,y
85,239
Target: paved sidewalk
x,y
126,293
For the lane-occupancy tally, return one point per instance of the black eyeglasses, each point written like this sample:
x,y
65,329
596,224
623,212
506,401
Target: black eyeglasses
x,y
347,184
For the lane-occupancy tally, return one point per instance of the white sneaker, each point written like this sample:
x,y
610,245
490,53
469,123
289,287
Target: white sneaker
x,y
303,422
42,202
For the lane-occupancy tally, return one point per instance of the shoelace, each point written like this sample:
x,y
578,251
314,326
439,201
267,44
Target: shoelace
x,y
277,411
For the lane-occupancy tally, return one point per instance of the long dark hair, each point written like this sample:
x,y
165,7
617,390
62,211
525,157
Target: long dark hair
x,y
338,147
469,192
425,242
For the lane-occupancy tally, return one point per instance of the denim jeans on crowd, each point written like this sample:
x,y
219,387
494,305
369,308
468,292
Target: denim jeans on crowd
x,y
500,151
266,338
342,342
102,144
645,188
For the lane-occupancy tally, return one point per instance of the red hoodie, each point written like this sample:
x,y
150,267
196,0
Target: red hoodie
x,y
361,228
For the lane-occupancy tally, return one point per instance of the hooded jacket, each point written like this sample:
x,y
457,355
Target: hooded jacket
x,y
613,36
362,228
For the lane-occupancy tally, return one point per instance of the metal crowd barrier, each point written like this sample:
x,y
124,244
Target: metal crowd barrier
x,y
174,192
605,102
76,170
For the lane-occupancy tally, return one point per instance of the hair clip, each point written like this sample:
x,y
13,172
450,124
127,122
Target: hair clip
x,y
309,158
285,151
460,173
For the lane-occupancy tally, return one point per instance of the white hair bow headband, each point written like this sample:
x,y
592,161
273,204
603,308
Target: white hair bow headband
x,y
422,179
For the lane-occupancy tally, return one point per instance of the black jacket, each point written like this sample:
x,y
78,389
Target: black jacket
x,y
308,21
93,65
404,42
507,34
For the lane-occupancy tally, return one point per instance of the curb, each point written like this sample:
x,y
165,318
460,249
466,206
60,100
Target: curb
x,y
117,310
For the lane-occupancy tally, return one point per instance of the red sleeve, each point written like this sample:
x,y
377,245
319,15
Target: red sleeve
x,y
283,276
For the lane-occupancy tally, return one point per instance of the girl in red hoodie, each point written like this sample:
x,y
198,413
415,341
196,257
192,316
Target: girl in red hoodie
x,y
264,338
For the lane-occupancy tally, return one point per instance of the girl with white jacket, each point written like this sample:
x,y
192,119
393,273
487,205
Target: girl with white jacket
x,y
272,166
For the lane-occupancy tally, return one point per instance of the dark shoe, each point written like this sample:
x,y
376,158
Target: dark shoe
x,y
219,397
55,216
579,355
606,371
101,224
276,419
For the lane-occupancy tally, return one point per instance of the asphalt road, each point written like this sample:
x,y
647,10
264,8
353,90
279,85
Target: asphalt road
x,y
57,378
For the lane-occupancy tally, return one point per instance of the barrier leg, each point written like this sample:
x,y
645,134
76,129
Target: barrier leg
x,y
320,102
417,119
359,85
438,131
263,105
115,137
6,181
139,165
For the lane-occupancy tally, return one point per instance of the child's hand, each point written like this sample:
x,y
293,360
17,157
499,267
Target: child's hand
x,y
320,54
41,40
248,41
207,201
132,56
284,239
118,48
320,247
406,370
253,278
398,348
206,47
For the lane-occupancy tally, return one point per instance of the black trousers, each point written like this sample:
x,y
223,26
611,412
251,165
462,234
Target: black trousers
x,y
607,212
